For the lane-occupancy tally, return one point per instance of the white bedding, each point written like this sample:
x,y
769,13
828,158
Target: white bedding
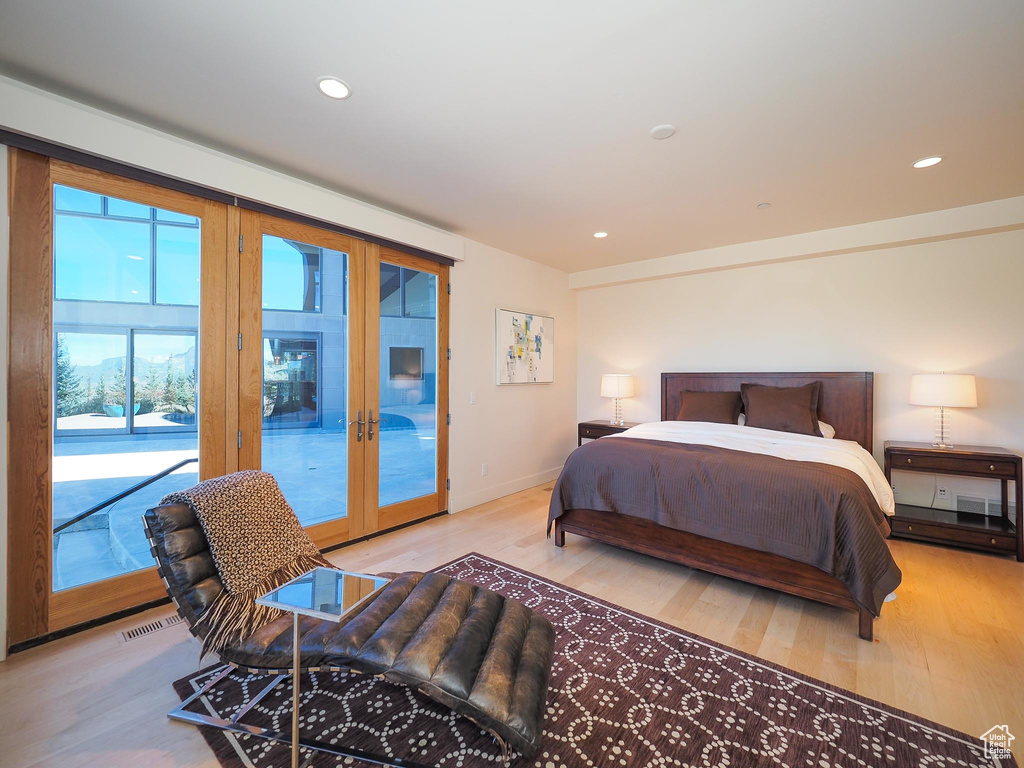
x,y
785,445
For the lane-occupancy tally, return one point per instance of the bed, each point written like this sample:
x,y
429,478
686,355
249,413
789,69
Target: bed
x,y
803,515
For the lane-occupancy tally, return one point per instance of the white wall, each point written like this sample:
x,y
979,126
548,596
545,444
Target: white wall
x,y
523,432
35,112
952,305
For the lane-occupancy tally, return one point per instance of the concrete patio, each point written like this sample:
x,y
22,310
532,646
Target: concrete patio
x,y
310,465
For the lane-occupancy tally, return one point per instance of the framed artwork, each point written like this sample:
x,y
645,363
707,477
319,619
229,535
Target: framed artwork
x,y
525,348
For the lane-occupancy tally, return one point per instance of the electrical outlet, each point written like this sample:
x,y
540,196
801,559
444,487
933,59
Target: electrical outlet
x,y
483,470
895,493
942,492
472,398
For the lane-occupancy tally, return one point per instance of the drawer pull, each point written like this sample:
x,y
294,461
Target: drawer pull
x,y
992,541
910,527
992,467
910,461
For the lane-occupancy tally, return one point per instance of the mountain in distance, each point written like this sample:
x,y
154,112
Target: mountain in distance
x,y
111,366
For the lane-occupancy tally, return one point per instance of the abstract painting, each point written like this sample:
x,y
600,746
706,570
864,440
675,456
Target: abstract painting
x,y
525,348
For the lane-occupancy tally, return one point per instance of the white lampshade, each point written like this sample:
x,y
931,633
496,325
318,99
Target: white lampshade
x,y
616,385
947,390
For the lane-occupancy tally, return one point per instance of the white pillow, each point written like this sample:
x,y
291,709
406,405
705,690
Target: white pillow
x,y
827,430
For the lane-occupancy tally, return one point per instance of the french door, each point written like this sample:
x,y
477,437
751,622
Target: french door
x,y
118,381
342,376
126,382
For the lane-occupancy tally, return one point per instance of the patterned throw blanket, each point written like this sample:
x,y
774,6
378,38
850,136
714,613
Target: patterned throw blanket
x,y
257,544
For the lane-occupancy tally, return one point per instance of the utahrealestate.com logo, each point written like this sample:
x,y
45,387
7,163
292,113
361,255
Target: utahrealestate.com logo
x,y
997,741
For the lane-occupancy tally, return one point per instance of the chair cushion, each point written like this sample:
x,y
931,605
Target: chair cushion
x,y
468,648
184,560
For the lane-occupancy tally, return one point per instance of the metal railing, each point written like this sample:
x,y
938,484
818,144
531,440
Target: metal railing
x,y
126,492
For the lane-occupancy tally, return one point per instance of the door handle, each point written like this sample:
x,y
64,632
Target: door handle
x,y
359,428
371,421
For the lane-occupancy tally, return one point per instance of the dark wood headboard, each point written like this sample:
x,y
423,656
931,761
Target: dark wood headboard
x,y
845,402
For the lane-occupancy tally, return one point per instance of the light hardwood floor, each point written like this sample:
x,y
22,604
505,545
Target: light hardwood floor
x,y
950,648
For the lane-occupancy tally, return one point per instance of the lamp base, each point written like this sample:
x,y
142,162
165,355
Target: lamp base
x,y
943,433
617,420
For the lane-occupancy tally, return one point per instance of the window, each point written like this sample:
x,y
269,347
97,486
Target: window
x,y
290,381
177,265
419,291
99,259
92,376
91,389
291,275
407,292
163,381
107,249
406,364
390,290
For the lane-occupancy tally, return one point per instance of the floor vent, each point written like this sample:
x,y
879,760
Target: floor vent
x,y
149,628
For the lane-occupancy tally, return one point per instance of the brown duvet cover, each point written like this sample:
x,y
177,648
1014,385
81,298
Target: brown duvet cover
x,y
817,514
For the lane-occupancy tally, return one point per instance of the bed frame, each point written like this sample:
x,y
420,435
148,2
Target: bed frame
x,y
845,402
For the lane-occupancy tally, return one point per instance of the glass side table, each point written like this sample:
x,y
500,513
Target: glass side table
x,y
324,593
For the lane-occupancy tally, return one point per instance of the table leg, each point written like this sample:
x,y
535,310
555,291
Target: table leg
x,y
1019,488
1006,498
295,691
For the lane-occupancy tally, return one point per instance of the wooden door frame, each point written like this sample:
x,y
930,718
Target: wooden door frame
x,y
231,400
250,365
33,608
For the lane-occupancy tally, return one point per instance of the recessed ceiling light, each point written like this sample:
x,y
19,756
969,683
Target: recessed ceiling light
x,y
600,234
134,291
928,162
333,87
662,131
134,257
764,205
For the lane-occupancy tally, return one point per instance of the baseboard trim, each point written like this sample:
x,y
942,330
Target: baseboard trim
x,y
459,502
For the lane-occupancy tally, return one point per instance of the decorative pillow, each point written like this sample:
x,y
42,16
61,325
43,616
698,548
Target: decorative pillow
x,y
827,430
716,407
785,409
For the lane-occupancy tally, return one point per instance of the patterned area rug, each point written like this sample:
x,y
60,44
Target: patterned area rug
x,y
625,691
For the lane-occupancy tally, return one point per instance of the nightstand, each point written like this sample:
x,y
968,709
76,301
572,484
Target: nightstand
x,y
990,533
592,430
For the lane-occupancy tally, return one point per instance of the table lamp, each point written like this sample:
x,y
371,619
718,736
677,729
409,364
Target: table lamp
x,y
618,386
942,391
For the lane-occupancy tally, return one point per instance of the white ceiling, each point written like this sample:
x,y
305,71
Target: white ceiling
x,y
524,125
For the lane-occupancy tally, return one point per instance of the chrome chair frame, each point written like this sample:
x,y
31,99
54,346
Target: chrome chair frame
x,y
235,725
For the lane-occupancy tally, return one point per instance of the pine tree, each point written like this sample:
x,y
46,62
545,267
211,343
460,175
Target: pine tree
x,y
147,394
168,394
119,394
100,398
70,396
190,392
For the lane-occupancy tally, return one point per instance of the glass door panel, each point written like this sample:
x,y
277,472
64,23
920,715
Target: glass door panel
x,y
305,374
130,277
347,385
125,362
408,384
